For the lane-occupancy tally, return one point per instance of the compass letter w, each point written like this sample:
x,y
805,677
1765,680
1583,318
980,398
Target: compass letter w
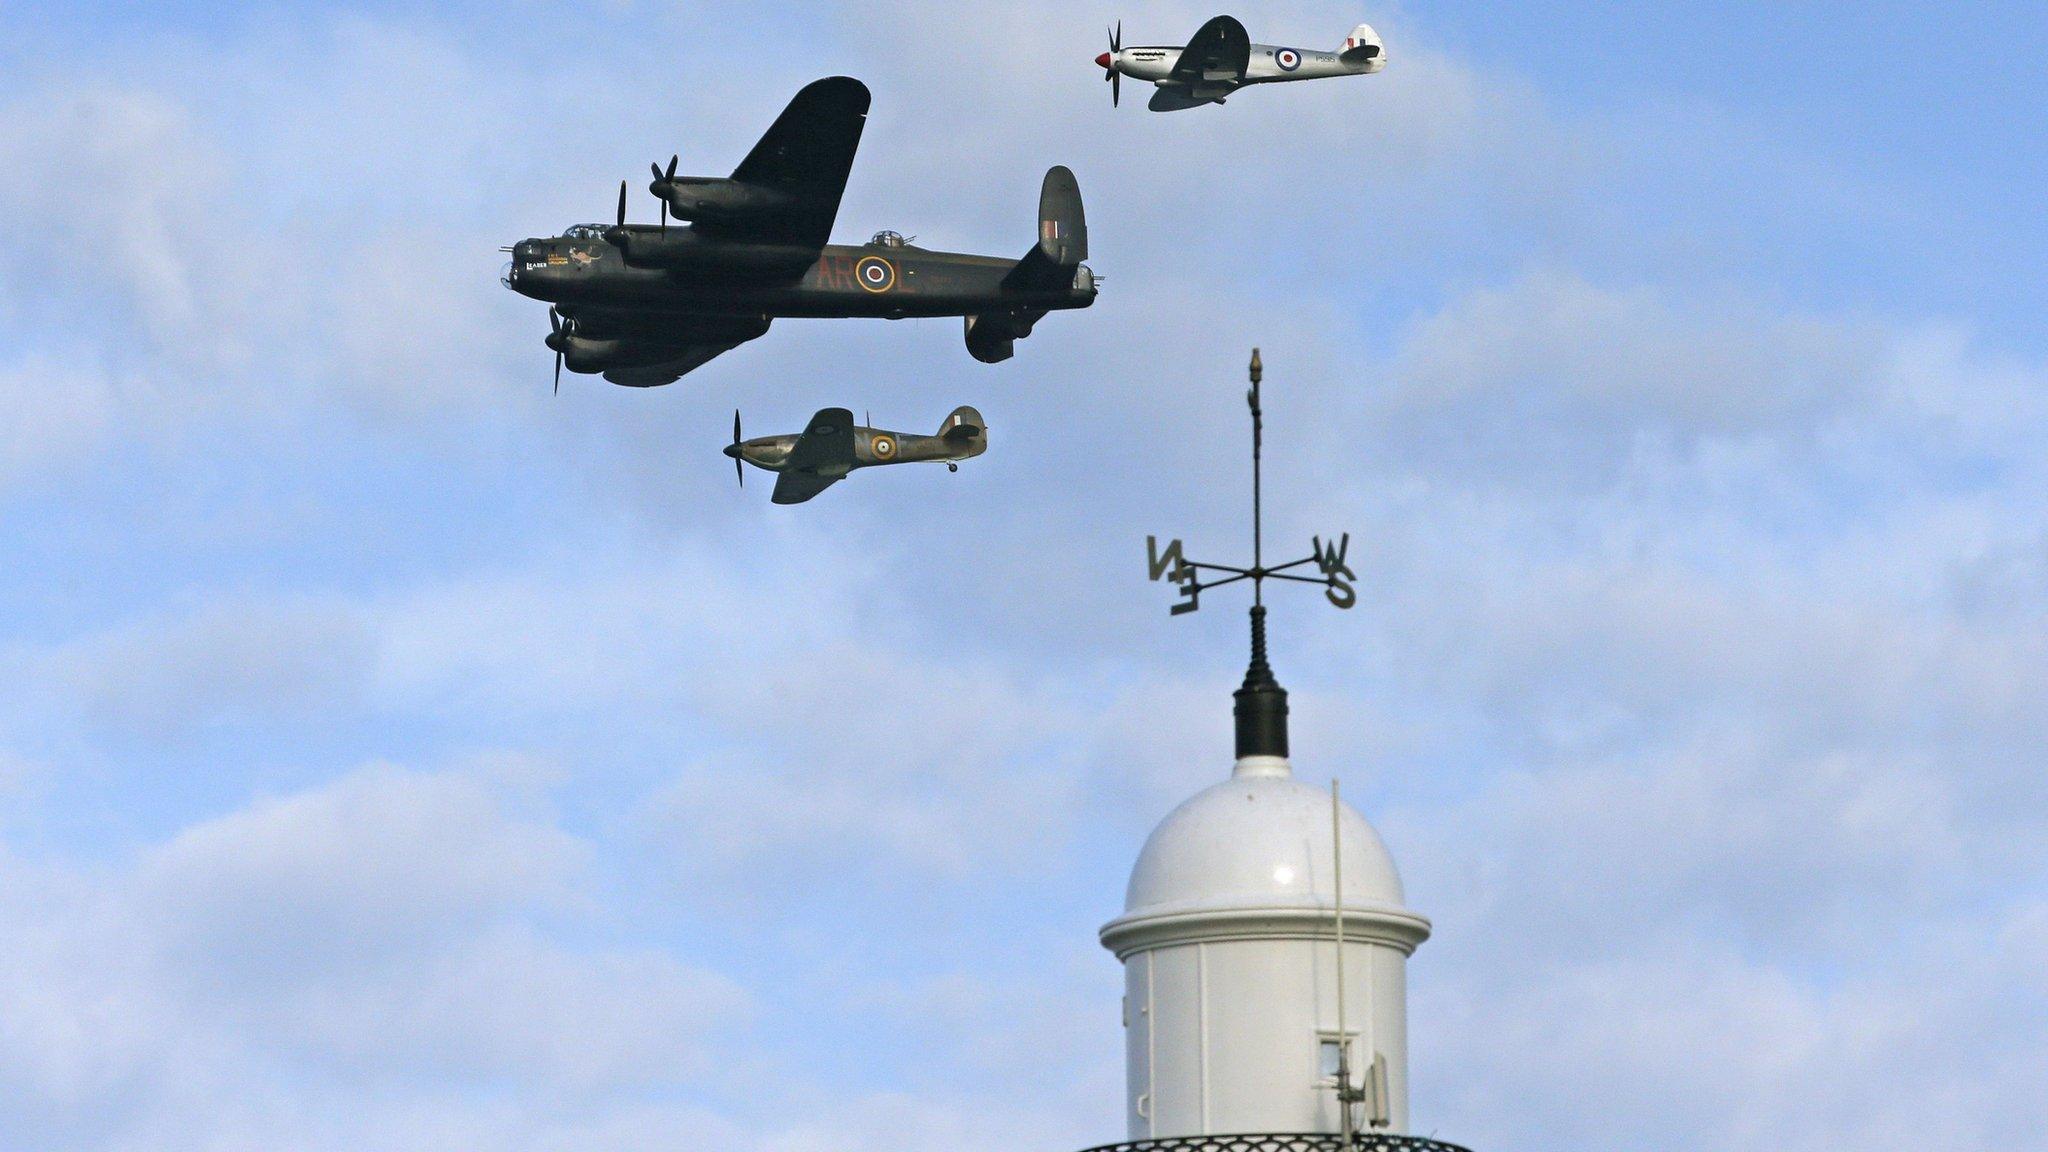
x,y
1330,558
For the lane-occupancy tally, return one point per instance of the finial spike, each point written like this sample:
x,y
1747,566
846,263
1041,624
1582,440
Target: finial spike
x,y
1258,369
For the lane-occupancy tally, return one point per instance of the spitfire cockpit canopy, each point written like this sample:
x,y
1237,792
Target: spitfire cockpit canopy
x,y
887,239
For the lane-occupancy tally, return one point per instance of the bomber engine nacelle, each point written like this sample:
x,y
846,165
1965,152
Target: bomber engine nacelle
x,y
717,200
588,347
993,339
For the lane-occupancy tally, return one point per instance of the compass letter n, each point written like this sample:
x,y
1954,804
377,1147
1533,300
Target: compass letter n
x,y
1173,565
1330,558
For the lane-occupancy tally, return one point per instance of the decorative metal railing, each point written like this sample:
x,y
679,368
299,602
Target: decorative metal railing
x,y
1286,1142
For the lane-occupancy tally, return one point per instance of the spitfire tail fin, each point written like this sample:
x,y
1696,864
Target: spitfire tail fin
x,y
1363,46
965,432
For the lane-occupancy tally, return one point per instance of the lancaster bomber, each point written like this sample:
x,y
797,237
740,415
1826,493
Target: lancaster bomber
x,y
646,303
832,445
1221,58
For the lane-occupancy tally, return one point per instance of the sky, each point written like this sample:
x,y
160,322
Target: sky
x,y
394,755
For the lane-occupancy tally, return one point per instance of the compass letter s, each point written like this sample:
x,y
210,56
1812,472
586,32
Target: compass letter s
x,y
1330,558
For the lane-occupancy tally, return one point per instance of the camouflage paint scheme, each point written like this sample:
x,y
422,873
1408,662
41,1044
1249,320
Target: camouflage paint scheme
x,y
646,303
832,446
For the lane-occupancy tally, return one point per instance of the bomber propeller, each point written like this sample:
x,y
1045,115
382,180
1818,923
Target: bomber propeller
x,y
664,182
555,342
736,469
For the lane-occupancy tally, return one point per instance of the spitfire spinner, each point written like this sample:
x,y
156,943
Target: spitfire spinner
x,y
1221,58
645,304
833,445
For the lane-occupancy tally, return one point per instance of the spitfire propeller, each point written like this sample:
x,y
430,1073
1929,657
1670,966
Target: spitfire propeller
x,y
1108,62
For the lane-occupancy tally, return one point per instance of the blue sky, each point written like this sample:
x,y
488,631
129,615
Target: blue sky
x,y
393,755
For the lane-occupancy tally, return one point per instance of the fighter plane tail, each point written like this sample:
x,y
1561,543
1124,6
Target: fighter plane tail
x,y
965,431
1363,46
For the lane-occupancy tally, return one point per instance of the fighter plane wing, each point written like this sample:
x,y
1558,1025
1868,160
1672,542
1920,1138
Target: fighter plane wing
x,y
687,358
797,487
1219,53
806,154
822,455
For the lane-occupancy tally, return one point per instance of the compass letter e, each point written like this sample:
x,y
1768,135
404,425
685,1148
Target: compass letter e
x,y
1172,565
1330,558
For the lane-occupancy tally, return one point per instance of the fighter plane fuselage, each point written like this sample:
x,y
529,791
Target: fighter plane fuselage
x,y
1269,64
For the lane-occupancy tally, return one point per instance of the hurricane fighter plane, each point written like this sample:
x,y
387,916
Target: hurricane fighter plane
x,y
1221,58
646,303
833,445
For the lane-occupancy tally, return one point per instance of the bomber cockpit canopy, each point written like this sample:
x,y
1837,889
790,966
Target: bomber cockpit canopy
x,y
584,232
887,239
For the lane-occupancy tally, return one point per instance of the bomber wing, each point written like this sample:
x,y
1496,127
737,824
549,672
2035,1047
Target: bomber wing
x,y
687,358
807,154
822,455
1219,53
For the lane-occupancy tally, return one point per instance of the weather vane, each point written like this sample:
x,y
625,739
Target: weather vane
x,y
1261,708
1173,564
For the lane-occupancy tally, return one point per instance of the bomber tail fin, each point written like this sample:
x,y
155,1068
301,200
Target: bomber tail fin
x,y
1062,225
1363,46
1062,236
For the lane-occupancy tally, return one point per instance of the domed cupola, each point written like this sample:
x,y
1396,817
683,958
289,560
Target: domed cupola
x,y
1229,945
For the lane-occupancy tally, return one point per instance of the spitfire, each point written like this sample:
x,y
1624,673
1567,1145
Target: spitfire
x,y
833,446
646,303
1221,58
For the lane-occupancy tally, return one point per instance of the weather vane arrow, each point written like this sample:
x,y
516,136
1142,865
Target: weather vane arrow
x,y
1171,563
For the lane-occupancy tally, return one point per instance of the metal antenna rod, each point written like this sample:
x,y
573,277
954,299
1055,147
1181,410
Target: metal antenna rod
x,y
1258,373
1344,1092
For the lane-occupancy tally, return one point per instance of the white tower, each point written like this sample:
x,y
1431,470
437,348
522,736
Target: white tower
x,y
1229,946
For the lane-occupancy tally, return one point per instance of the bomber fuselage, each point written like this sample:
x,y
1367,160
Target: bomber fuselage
x,y
708,276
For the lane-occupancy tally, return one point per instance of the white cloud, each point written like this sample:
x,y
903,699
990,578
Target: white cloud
x,y
384,944
237,660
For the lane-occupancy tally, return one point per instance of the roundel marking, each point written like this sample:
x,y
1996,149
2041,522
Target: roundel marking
x,y
884,447
875,274
1288,59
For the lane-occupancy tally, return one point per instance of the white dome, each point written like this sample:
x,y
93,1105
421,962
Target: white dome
x,y
1260,839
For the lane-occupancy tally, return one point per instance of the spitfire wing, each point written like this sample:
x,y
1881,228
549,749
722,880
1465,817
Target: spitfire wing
x,y
687,358
806,154
1218,54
